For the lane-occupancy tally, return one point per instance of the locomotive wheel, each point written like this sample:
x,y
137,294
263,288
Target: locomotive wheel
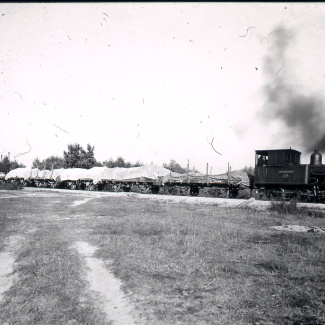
x,y
194,191
155,189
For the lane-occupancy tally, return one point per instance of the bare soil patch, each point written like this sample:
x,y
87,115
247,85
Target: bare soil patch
x,y
113,302
297,228
79,202
7,259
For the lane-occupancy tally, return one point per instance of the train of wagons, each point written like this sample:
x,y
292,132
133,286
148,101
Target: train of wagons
x,y
143,179
278,174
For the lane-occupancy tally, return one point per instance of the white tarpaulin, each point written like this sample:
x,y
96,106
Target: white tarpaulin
x,y
69,174
142,173
97,174
233,178
148,172
137,174
45,174
25,173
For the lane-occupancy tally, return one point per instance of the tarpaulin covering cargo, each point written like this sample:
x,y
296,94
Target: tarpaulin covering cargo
x,y
69,174
101,174
24,173
231,178
97,174
133,174
142,174
44,174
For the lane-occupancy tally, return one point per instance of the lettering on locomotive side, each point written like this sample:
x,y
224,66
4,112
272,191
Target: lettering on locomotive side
x,y
285,171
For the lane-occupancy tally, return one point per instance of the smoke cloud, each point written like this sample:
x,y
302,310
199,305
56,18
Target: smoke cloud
x,y
302,114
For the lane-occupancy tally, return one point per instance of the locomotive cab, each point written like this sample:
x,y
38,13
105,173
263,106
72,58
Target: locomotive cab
x,y
282,157
280,173
279,167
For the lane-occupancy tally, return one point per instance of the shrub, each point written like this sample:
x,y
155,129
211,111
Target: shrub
x,y
11,186
284,208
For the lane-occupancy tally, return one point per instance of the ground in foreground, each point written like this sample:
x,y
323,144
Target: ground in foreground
x,y
178,263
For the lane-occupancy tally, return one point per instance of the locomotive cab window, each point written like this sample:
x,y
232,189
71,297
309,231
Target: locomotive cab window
x,y
292,158
289,158
262,160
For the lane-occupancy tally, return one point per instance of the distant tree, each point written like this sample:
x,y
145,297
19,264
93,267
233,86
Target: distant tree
x,y
56,162
120,162
6,165
87,159
98,164
175,167
138,164
14,164
108,163
77,157
36,163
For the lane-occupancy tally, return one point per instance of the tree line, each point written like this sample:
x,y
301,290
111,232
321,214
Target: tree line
x,y
6,165
78,157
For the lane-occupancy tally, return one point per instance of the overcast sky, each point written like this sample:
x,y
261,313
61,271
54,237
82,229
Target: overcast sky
x,y
160,81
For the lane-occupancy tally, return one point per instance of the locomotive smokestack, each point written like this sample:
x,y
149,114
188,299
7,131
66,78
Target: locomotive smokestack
x,y
9,156
316,158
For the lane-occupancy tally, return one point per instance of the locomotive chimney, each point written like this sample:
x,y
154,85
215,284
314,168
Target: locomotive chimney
x,y
316,158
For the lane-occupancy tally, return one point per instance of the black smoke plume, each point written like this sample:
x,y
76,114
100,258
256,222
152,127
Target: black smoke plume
x,y
302,114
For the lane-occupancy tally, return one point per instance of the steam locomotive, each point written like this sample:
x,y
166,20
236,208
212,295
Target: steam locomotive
x,y
279,174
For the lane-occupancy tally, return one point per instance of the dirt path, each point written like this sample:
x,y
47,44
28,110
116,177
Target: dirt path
x,y
7,259
114,303
79,202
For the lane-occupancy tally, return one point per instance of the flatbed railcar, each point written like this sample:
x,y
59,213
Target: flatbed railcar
x,y
156,180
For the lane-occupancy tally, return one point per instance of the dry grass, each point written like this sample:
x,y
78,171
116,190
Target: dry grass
x,y
50,285
180,263
291,208
205,266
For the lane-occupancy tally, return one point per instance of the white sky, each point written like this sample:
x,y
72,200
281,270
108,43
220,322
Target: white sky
x,y
151,81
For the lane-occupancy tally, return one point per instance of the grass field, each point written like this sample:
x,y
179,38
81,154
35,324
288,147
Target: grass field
x,y
179,263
